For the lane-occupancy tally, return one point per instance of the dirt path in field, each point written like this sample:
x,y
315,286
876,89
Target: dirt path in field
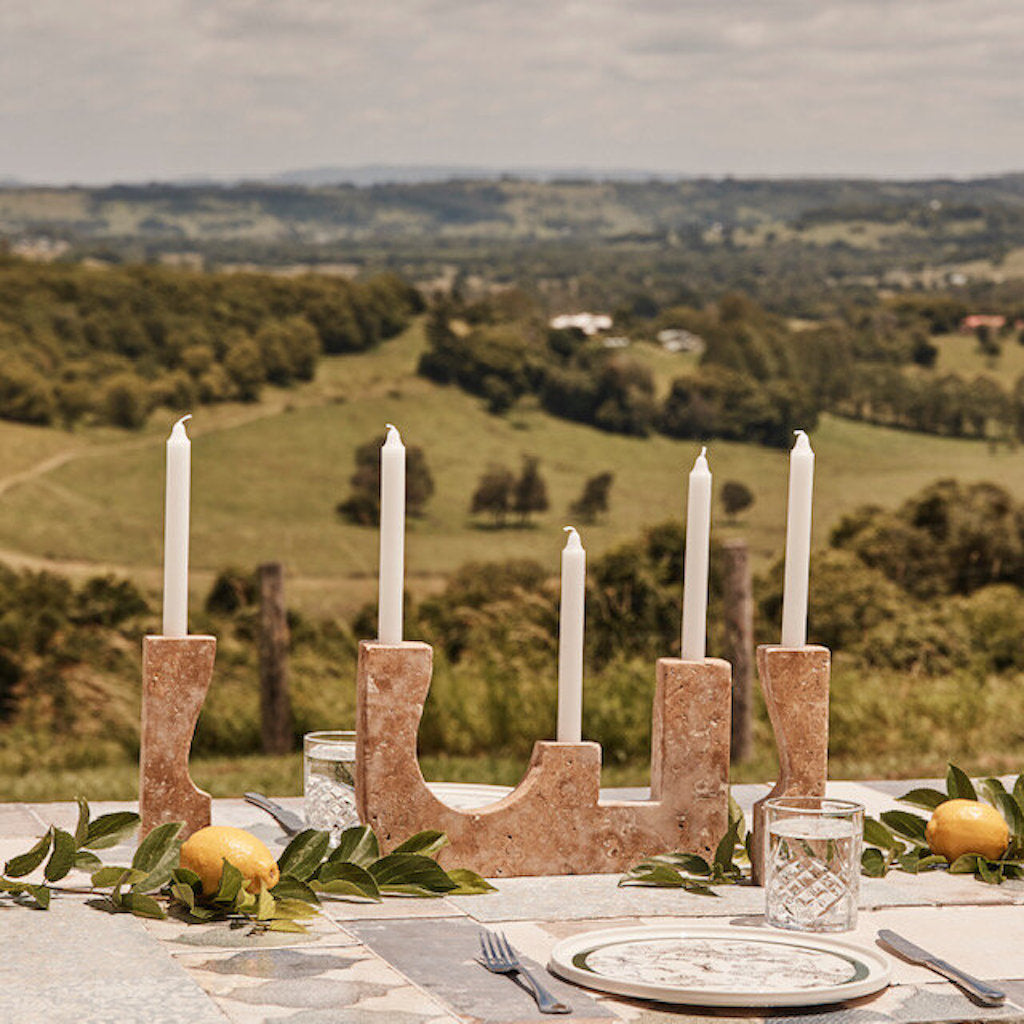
x,y
90,451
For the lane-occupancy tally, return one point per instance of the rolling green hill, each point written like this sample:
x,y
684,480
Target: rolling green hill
x,y
266,478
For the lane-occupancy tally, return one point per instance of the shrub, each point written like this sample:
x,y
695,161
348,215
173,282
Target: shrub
x,y
126,401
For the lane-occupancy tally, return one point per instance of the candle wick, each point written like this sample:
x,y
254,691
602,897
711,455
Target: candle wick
x,y
178,430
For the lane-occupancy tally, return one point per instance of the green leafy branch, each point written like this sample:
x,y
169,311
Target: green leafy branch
x,y
897,841
693,873
155,885
64,851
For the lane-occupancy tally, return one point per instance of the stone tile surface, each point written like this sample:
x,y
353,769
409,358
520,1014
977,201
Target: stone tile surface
x,y
18,820
568,897
395,908
74,964
439,956
347,984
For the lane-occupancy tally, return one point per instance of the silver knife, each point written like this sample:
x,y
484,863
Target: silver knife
x,y
984,993
291,823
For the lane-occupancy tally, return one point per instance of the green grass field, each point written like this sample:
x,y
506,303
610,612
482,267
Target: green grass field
x,y
959,354
266,478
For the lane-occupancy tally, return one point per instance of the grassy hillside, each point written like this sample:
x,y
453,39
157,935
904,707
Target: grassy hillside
x,y
266,478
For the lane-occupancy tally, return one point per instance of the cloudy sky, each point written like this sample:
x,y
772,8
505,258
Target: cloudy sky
x,y
101,90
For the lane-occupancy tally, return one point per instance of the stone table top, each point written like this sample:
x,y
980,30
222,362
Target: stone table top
x,y
408,961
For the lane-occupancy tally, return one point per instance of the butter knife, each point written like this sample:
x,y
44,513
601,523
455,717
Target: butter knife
x,y
291,823
980,991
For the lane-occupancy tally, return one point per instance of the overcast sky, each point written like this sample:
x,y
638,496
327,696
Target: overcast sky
x,y
95,91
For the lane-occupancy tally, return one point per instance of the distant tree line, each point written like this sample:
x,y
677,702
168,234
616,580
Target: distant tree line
x,y
109,345
747,388
758,379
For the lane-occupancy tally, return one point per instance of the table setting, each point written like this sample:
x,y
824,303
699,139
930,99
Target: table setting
x,y
381,896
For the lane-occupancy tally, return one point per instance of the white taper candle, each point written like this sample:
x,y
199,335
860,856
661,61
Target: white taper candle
x,y
570,640
391,574
176,507
695,569
798,543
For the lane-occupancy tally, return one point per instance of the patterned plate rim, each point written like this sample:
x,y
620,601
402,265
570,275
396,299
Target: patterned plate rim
x,y
875,978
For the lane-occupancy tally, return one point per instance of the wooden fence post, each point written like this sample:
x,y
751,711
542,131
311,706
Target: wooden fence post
x,y
275,704
739,644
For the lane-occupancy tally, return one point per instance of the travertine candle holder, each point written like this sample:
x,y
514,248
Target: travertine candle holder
x,y
795,681
176,674
554,822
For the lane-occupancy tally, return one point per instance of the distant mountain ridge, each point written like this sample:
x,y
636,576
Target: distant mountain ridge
x,y
419,174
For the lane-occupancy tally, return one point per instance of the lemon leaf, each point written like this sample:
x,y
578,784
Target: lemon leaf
x,y
230,883
736,818
86,860
965,864
62,860
877,834
292,888
873,864
927,798
688,862
265,905
1011,812
109,829
903,823
26,863
186,876
184,894
82,828
406,870
427,843
345,879
988,873
157,855
142,906
292,909
280,925
469,883
303,854
357,845
959,785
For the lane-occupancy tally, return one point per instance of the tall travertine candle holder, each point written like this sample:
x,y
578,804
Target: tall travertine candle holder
x,y
176,674
554,822
795,681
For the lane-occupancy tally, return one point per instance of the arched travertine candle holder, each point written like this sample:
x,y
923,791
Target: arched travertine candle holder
x,y
176,674
554,822
795,681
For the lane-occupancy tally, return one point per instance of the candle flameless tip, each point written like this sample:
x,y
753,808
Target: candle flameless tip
x,y
803,442
573,540
394,437
178,430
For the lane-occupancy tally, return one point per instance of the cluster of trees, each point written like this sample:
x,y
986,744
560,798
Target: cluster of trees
x,y
946,404
362,506
501,493
109,345
758,378
747,388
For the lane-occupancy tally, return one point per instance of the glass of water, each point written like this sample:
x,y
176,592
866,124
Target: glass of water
x,y
329,766
812,863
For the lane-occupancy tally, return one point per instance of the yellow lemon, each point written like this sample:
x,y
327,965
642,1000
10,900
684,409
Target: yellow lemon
x,y
967,826
205,851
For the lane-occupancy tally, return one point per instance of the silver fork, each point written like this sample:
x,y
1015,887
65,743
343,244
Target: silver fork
x,y
498,956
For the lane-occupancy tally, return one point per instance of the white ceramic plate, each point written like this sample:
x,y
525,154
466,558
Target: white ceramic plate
x,y
708,965
464,796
